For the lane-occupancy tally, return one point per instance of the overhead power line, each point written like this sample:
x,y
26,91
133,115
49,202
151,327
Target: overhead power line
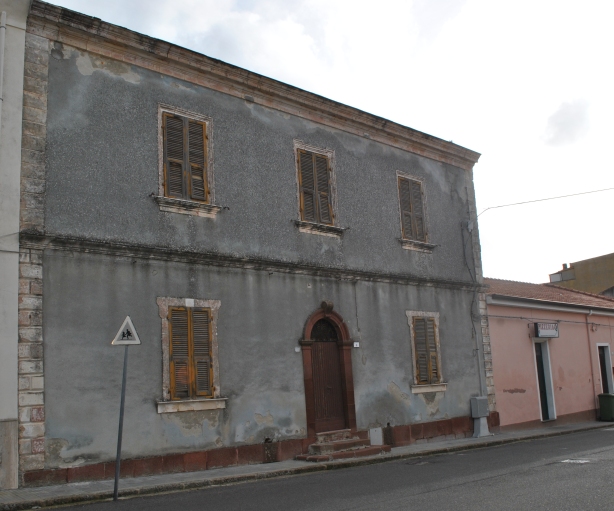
x,y
549,198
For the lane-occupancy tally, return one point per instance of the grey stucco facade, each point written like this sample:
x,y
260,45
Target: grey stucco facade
x,y
103,169
108,250
261,320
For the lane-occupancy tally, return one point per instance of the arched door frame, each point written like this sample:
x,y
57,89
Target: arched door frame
x,y
345,360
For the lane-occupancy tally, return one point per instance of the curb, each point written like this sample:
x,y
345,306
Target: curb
x,y
316,467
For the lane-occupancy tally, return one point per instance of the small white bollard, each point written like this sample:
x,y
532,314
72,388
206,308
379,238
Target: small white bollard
x,y
376,436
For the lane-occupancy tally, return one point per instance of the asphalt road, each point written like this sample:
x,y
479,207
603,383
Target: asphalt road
x,y
531,475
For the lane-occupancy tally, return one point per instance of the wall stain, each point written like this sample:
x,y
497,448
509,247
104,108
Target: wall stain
x,y
87,64
56,454
194,423
515,391
264,419
396,391
429,397
431,400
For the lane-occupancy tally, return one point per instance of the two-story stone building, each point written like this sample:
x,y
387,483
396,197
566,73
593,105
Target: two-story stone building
x,y
292,265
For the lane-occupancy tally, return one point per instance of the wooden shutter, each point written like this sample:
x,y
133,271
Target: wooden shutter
x,y
179,353
425,345
190,353
174,145
323,185
421,349
314,180
417,210
197,155
202,356
405,200
307,186
432,347
412,209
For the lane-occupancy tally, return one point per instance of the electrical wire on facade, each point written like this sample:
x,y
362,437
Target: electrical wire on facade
x,y
549,198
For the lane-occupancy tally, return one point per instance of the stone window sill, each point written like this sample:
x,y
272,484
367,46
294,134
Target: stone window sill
x,y
321,229
191,405
187,207
418,246
435,387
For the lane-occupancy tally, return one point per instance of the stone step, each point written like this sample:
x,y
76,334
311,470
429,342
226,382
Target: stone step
x,y
338,445
341,455
332,436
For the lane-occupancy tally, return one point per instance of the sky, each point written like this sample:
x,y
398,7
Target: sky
x,y
528,84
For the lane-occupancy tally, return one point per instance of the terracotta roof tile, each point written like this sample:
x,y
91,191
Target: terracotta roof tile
x,y
547,293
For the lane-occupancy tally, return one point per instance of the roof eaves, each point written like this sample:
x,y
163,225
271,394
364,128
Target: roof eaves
x,y
600,297
551,302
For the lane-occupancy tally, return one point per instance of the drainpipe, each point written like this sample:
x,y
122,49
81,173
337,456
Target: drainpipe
x,y
479,405
2,37
590,353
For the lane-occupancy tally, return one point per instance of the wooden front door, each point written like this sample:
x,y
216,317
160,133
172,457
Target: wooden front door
x,y
327,381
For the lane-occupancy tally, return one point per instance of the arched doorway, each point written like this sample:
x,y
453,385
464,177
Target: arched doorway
x,y
327,366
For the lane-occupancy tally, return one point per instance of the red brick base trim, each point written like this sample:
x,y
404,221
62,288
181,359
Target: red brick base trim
x,y
171,463
494,422
458,427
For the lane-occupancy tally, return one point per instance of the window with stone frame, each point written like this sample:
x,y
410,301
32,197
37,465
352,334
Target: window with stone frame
x,y
315,187
190,368
185,158
425,347
191,352
412,206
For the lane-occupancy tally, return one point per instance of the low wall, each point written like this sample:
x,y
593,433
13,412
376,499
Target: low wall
x,y
458,427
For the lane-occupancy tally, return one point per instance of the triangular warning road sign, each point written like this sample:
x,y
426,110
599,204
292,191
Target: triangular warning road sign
x,y
126,334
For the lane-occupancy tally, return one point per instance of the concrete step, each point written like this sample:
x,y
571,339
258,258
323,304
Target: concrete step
x,y
333,436
338,445
341,455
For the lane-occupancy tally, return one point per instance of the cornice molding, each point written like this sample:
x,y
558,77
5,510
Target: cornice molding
x,y
146,252
96,36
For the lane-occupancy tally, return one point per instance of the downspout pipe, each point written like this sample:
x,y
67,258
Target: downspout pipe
x,y
2,39
590,355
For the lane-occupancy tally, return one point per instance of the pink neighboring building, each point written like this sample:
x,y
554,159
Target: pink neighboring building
x,y
551,352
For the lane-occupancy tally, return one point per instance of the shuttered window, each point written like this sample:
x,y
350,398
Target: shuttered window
x,y
190,352
314,174
412,209
427,357
185,158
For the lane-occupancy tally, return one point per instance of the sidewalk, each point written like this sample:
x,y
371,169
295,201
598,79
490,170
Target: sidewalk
x,y
26,498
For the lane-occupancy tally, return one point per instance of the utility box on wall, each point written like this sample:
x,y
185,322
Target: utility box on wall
x,y
479,412
479,407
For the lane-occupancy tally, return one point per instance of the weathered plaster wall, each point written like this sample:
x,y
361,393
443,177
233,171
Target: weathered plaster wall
x,y
10,159
574,360
103,166
261,320
101,169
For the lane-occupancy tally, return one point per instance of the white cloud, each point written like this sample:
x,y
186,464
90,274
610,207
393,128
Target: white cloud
x,y
431,16
568,124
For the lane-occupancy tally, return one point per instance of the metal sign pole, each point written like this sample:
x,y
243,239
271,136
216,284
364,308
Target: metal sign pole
x,y
121,425
125,336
